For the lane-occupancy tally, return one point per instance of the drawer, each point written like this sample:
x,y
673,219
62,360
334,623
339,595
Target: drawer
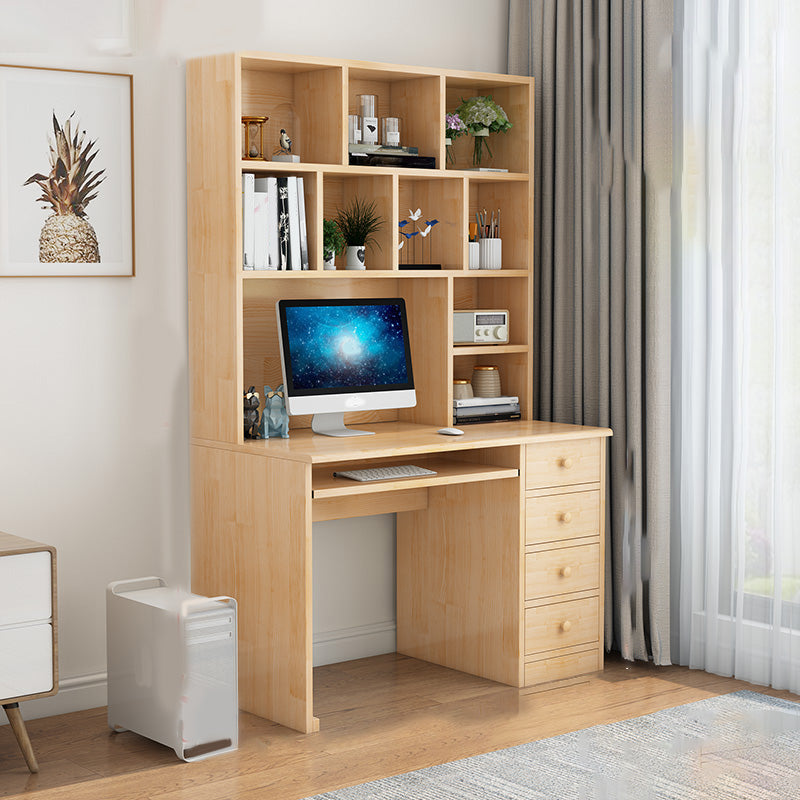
x,y
567,569
26,660
556,625
562,463
556,517
557,668
25,593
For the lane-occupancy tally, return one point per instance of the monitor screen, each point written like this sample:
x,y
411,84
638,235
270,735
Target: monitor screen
x,y
345,355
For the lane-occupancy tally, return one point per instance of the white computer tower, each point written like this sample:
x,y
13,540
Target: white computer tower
x,y
172,670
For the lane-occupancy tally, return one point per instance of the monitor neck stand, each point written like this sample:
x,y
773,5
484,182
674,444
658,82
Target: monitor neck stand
x,y
332,424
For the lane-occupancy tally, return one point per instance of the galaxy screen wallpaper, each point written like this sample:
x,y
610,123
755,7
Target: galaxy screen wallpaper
x,y
359,347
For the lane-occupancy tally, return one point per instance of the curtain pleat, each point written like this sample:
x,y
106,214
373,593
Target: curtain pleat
x,y
592,361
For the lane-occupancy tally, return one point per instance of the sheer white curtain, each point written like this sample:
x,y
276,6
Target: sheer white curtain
x,y
737,332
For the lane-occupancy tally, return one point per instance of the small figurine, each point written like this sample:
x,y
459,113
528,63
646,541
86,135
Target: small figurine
x,y
274,420
285,148
251,416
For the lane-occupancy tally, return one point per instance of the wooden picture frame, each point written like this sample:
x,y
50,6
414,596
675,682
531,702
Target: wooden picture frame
x,y
66,173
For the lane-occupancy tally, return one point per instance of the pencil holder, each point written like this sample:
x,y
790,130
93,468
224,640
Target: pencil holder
x,y
491,253
474,255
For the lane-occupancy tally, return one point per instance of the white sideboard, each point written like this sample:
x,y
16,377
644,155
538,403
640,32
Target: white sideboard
x,y
28,630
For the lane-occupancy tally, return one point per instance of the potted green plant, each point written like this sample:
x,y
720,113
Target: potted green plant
x,y
482,116
359,222
332,242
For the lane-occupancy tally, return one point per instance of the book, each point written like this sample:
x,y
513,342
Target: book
x,y
284,245
502,416
270,187
261,230
465,402
301,207
295,257
486,411
248,230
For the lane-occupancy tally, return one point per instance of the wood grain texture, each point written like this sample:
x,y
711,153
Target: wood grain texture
x,y
566,515
562,570
380,716
459,580
563,463
214,220
21,734
251,540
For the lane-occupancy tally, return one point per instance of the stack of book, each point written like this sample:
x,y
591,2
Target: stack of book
x,y
485,409
274,234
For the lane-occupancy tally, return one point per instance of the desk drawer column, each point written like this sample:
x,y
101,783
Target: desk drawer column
x,y
564,559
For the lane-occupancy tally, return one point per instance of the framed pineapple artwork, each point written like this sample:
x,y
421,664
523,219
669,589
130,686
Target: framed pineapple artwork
x,y
66,173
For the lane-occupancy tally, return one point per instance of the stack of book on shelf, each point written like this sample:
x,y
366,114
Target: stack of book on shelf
x,y
485,409
274,234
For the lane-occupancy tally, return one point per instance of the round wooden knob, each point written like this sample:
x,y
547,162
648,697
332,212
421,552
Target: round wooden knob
x,y
566,462
566,625
566,572
566,517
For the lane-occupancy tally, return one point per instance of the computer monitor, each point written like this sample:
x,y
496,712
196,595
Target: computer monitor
x,y
344,355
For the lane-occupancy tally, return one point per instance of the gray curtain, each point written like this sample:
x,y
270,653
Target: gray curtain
x,y
603,167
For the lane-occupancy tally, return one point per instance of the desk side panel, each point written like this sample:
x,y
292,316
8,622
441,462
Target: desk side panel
x,y
459,580
251,539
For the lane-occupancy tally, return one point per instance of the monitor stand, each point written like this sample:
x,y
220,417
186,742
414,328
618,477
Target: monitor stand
x,y
332,424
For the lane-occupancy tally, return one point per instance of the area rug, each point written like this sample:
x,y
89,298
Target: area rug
x,y
741,745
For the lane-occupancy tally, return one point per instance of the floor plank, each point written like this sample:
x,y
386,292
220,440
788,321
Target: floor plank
x,y
378,716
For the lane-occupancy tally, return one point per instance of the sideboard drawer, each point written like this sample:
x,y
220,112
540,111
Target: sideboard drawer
x,y
557,517
561,625
25,587
26,660
566,569
562,463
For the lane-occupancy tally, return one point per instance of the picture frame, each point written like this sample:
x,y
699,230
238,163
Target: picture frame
x,y
66,173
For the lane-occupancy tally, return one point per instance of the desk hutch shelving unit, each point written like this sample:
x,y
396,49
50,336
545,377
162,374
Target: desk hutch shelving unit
x,y
254,502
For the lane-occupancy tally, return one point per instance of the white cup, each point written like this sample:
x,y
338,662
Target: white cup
x,y
474,255
491,253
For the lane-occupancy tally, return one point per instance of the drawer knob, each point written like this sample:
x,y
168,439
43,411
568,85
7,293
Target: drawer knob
x,y
566,625
566,572
565,462
566,517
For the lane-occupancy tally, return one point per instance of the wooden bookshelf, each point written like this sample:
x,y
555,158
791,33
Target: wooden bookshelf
x,y
233,333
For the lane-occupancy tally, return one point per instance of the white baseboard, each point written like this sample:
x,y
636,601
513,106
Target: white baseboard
x,y
330,647
345,644
74,694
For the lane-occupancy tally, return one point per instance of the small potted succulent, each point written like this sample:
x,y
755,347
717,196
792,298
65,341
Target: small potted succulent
x,y
482,116
359,222
332,243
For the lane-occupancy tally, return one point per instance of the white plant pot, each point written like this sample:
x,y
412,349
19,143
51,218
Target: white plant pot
x,y
355,258
329,263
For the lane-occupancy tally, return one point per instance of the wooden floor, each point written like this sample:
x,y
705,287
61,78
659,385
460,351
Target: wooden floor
x,y
378,716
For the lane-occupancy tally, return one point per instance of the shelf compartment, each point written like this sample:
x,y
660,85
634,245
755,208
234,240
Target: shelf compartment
x,y
513,149
416,99
441,199
516,218
512,295
339,190
448,471
427,302
304,98
515,373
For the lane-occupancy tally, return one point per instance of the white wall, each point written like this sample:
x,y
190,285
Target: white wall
x,y
93,372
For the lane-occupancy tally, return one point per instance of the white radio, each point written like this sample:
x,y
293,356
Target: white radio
x,y
484,326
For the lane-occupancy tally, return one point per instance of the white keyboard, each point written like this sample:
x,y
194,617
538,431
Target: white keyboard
x,y
385,473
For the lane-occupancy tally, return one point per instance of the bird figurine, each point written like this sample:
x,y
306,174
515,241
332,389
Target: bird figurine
x,y
286,143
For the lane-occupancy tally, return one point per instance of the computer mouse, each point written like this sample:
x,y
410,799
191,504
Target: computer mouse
x,y
450,431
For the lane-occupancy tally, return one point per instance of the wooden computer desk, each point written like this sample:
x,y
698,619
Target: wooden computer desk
x,y
499,555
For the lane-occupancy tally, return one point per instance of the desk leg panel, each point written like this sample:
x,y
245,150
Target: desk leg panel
x,y
251,539
459,580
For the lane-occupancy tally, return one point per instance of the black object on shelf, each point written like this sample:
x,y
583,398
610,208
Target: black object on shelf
x,y
419,266
392,160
